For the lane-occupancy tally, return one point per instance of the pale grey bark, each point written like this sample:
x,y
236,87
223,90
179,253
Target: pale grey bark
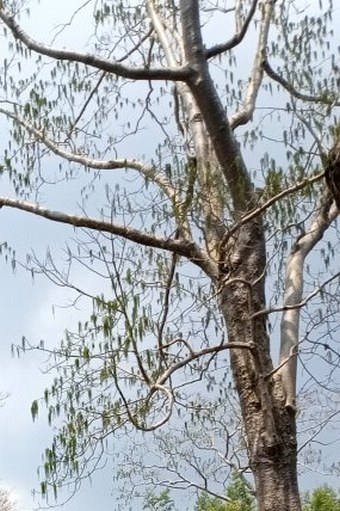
x,y
244,114
293,295
197,139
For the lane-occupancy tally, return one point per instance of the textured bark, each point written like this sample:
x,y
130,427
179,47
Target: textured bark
x,y
269,426
276,485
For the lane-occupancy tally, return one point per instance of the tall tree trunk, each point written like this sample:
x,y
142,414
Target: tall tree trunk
x,y
269,424
270,431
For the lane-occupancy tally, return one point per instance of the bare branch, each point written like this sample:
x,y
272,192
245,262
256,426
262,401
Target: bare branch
x,y
123,163
218,9
258,211
87,102
6,502
293,294
166,307
181,73
244,114
236,39
324,99
182,247
293,306
101,78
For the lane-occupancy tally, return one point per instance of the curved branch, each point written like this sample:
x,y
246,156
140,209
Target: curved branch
x,y
170,402
244,114
194,355
186,248
181,73
236,39
133,415
295,93
258,211
122,163
293,295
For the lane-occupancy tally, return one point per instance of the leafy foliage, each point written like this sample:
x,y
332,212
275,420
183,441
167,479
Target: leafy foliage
x,y
238,496
161,502
323,498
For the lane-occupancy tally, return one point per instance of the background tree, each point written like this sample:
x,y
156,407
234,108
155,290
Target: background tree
x,y
323,498
161,502
240,498
6,503
184,245
238,494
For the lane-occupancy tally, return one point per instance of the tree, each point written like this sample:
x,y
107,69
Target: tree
x,y
230,204
322,498
238,498
160,502
6,503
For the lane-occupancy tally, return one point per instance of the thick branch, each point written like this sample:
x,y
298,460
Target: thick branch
x,y
110,66
212,111
236,39
185,248
293,295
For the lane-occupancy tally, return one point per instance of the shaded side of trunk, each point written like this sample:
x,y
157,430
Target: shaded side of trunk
x,y
276,481
269,426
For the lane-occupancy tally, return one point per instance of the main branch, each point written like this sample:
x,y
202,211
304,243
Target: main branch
x,y
183,247
181,73
212,111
